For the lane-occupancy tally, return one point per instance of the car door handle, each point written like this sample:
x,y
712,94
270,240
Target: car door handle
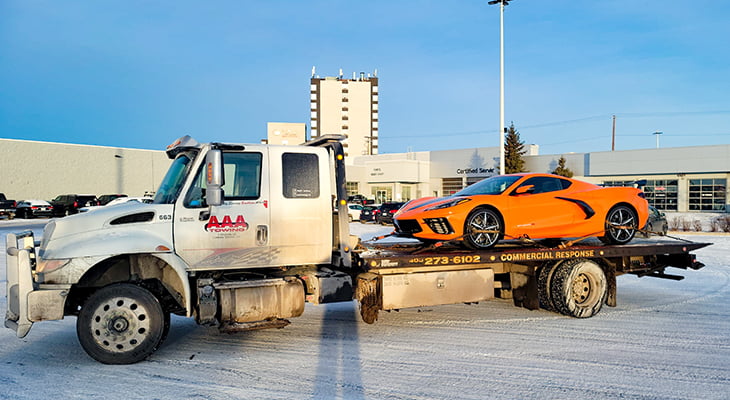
x,y
204,215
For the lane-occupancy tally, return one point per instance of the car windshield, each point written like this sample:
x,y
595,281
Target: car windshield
x,y
174,179
493,185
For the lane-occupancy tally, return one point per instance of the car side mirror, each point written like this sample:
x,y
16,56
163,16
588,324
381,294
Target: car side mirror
x,y
525,189
214,180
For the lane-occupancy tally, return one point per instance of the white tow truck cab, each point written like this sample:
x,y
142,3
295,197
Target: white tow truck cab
x,y
241,236
237,235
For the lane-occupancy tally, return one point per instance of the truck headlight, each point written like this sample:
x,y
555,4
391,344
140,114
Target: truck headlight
x,y
46,266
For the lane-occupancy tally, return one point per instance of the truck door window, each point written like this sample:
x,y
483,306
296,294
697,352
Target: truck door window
x,y
300,175
242,177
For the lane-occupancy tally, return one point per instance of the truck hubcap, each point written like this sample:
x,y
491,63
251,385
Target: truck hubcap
x,y
120,324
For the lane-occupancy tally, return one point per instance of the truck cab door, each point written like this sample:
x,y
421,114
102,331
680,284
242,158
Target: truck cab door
x,y
235,234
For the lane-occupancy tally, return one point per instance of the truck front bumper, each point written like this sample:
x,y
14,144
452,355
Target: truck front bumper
x,y
28,302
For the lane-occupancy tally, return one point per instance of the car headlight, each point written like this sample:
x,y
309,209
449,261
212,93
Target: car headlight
x,y
448,204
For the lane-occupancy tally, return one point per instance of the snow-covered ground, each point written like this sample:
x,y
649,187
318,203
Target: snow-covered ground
x,y
665,340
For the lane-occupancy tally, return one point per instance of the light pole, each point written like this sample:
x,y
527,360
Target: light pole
x,y
502,4
656,134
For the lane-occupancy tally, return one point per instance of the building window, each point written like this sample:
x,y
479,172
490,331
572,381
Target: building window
x,y
450,186
470,180
353,188
382,194
707,194
345,100
618,183
405,192
662,194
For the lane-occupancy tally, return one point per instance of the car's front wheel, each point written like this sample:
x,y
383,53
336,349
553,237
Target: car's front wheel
x,y
621,225
483,229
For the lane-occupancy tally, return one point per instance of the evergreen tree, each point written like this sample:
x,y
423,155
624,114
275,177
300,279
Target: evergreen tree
x,y
561,170
514,149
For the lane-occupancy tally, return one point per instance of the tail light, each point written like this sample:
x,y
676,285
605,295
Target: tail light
x,y
393,211
76,204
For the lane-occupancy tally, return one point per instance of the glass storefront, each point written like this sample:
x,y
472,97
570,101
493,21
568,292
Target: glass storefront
x,y
707,194
662,194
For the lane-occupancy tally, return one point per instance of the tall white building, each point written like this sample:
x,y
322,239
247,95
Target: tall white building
x,y
348,107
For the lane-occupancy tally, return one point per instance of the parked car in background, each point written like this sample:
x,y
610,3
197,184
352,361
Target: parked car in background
x,y
386,212
67,204
33,208
7,207
656,223
354,211
106,198
367,214
117,201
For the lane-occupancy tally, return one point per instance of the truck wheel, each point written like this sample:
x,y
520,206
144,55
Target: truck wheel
x,y
578,288
544,276
483,229
621,225
121,324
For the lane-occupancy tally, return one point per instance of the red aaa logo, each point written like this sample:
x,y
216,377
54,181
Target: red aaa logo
x,y
227,225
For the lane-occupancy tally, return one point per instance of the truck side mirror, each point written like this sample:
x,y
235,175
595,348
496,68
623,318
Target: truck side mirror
x,y
214,178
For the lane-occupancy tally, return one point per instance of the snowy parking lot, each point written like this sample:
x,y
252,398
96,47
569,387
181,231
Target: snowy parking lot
x,y
664,340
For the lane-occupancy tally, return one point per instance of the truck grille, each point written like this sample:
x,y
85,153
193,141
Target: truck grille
x,y
407,226
439,225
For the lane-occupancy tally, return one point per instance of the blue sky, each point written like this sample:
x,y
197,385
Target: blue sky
x,y
141,73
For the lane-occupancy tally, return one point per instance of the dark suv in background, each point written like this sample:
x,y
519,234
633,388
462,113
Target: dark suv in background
x,y
67,204
106,198
386,212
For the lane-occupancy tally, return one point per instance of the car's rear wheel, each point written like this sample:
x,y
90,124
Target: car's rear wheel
x,y
483,228
621,225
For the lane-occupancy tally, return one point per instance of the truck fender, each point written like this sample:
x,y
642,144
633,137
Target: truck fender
x,y
167,268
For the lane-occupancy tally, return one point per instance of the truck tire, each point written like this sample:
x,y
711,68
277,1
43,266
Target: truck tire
x,y
544,276
121,324
578,288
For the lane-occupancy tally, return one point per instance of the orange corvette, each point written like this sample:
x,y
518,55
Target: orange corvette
x,y
537,206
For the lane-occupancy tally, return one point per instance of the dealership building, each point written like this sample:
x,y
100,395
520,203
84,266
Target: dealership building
x,y
682,179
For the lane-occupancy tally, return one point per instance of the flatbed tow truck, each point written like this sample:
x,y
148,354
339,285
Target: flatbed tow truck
x,y
241,236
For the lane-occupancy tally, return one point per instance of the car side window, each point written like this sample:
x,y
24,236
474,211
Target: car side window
x,y
545,184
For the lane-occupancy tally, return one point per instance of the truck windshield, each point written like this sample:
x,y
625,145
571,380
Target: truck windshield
x,y
174,179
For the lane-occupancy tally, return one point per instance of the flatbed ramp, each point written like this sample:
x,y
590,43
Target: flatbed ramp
x,y
574,280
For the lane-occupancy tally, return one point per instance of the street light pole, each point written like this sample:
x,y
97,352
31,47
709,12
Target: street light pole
x,y
656,134
502,4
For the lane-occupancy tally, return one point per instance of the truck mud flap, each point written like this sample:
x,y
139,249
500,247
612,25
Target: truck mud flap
x,y
19,285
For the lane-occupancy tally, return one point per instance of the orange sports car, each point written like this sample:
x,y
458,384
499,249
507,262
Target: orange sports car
x,y
536,206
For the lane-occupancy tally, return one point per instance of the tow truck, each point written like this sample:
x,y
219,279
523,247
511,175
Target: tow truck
x,y
241,236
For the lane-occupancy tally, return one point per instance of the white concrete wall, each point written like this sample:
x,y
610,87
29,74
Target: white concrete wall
x,y
42,170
